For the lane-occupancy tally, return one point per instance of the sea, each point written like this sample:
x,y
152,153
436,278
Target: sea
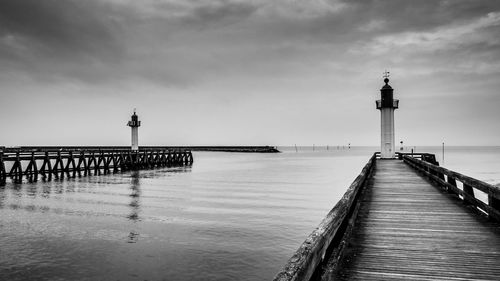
x,y
230,216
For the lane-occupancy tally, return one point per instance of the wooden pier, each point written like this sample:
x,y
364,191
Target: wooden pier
x,y
46,163
405,219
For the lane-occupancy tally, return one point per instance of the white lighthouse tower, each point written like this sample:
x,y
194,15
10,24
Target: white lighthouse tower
x,y
134,123
387,104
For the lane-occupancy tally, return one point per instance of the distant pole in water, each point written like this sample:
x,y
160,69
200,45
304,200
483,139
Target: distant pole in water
x,y
134,123
313,146
296,150
326,147
443,154
387,105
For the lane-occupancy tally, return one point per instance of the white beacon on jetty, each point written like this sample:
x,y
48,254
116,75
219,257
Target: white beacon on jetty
x,y
134,123
387,104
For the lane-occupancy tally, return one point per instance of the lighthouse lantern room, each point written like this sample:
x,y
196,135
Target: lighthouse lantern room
x,y
134,124
387,104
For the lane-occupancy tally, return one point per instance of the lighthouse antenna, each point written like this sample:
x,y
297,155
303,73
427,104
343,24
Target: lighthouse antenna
x,y
386,74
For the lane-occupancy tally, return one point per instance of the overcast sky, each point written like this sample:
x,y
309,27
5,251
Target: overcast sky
x,y
231,72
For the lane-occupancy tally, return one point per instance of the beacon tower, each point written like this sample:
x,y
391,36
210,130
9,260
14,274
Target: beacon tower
x,y
387,104
134,123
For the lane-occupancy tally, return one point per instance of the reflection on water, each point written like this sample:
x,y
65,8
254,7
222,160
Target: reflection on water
x,y
73,229
135,193
230,216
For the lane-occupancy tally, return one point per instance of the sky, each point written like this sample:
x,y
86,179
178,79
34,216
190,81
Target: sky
x,y
243,72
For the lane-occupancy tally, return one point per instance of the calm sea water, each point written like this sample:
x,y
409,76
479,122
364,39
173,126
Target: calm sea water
x,y
231,216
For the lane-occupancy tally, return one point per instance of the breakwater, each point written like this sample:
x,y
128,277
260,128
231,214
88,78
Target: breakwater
x,y
251,149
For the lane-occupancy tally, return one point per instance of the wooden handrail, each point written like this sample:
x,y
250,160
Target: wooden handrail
x,y
447,179
427,157
27,155
329,236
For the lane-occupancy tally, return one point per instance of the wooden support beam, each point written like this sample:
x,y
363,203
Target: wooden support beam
x,y
32,170
113,161
70,166
3,174
82,160
46,169
16,172
169,159
58,169
95,166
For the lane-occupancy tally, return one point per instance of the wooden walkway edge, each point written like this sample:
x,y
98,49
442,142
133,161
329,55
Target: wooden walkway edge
x,y
408,229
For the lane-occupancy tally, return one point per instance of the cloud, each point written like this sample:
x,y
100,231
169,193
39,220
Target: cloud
x,y
449,37
183,43
46,38
467,44
57,28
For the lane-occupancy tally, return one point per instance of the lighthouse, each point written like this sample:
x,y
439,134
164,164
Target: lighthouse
x,y
387,104
134,123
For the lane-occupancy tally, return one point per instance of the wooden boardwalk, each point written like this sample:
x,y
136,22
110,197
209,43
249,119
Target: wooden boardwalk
x,y
407,229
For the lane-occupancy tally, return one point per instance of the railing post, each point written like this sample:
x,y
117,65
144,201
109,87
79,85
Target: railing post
x,y
494,203
469,191
452,182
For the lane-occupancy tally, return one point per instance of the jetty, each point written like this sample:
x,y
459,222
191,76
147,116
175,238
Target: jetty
x,y
405,218
241,149
33,163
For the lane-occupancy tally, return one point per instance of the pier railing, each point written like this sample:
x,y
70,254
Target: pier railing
x,y
323,247
461,186
427,157
49,162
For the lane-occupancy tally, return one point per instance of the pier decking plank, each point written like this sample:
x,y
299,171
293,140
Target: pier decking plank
x,y
407,229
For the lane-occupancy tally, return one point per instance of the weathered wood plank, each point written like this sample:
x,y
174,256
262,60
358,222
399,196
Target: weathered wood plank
x,y
407,229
